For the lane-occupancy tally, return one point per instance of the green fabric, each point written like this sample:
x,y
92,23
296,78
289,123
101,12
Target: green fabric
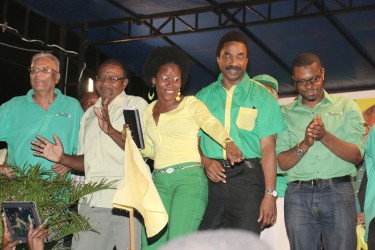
x,y
281,185
369,208
21,119
184,194
260,117
341,117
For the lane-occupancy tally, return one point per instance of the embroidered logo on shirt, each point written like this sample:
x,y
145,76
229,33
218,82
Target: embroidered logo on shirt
x,y
331,113
63,114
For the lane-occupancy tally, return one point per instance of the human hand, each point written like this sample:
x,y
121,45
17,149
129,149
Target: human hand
x,y
103,117
316,128
48,150
234,154
361,219
60,169
124,131
8,244
268,212
214,171
8,171
35,237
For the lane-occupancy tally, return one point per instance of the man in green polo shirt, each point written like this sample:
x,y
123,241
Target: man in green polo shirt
x,y
44,110
319,149
241,196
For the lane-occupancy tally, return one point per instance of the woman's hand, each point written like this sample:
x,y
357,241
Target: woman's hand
x,y
234,154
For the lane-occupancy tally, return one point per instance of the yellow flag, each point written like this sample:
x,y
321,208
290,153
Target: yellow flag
x,y
137,190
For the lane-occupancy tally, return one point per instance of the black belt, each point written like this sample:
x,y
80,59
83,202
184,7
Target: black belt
x,y
250,163
325,182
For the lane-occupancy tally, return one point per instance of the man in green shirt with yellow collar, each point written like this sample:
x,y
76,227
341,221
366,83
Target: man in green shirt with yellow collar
x,y
242,196
319,149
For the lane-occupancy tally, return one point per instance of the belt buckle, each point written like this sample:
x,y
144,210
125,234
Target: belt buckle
x,y
169,170
226,164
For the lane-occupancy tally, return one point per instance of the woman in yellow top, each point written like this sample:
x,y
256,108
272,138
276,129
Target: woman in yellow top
x,y
171,125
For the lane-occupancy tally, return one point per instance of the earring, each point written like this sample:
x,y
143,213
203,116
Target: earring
x,y
151,92
178,98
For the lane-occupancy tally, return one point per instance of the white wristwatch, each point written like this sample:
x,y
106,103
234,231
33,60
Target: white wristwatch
x,y
272,192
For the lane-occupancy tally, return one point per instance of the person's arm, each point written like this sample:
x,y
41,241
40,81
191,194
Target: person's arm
x,y
290,158
209,124
346,151
106,125
213,169
267,214
55,153
60,169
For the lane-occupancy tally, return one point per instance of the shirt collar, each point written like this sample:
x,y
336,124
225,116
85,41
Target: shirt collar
x,y
31,92
244,79
327,98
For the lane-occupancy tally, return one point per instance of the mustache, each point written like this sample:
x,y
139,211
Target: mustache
x,y
232,67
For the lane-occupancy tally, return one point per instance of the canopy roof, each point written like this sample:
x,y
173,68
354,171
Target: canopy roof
x,y
340,32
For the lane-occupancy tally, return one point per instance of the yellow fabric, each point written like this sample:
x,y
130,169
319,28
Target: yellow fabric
x,y
361,243
137,190
175,138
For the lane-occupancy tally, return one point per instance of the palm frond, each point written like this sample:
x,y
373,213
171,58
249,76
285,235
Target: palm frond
x,y
54,195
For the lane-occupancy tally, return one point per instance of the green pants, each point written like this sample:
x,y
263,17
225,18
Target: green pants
x,y
184,193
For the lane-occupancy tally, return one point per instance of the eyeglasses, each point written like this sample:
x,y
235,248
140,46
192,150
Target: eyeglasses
x,y
111,79
44,70
312,80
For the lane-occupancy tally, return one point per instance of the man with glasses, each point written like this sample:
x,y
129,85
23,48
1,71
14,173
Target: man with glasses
x,y
43,110
101,157
320,148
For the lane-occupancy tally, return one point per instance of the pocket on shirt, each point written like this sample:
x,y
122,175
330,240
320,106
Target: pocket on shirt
x,y
246,118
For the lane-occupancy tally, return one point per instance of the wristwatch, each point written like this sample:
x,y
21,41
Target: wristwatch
x,y
272,192
300,151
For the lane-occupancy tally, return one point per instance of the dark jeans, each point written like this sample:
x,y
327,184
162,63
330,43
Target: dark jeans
x,y
371,235
314,212
235,204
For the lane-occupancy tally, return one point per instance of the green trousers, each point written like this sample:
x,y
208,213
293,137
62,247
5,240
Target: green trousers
x,y
184,193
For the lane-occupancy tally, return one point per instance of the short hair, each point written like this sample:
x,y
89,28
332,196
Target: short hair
x,y
48,55
305,59
233,36
162,56
117,62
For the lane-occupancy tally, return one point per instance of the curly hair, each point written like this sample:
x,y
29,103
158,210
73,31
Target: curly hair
x,y
162,56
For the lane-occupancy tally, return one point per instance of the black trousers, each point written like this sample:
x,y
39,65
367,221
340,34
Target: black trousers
x,y
235,204
371,235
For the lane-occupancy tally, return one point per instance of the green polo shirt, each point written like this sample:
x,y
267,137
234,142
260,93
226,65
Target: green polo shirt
x,y
341,117
248,111
21,120
369,208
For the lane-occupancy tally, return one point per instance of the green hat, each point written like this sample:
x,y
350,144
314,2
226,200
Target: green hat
x,y
268,80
